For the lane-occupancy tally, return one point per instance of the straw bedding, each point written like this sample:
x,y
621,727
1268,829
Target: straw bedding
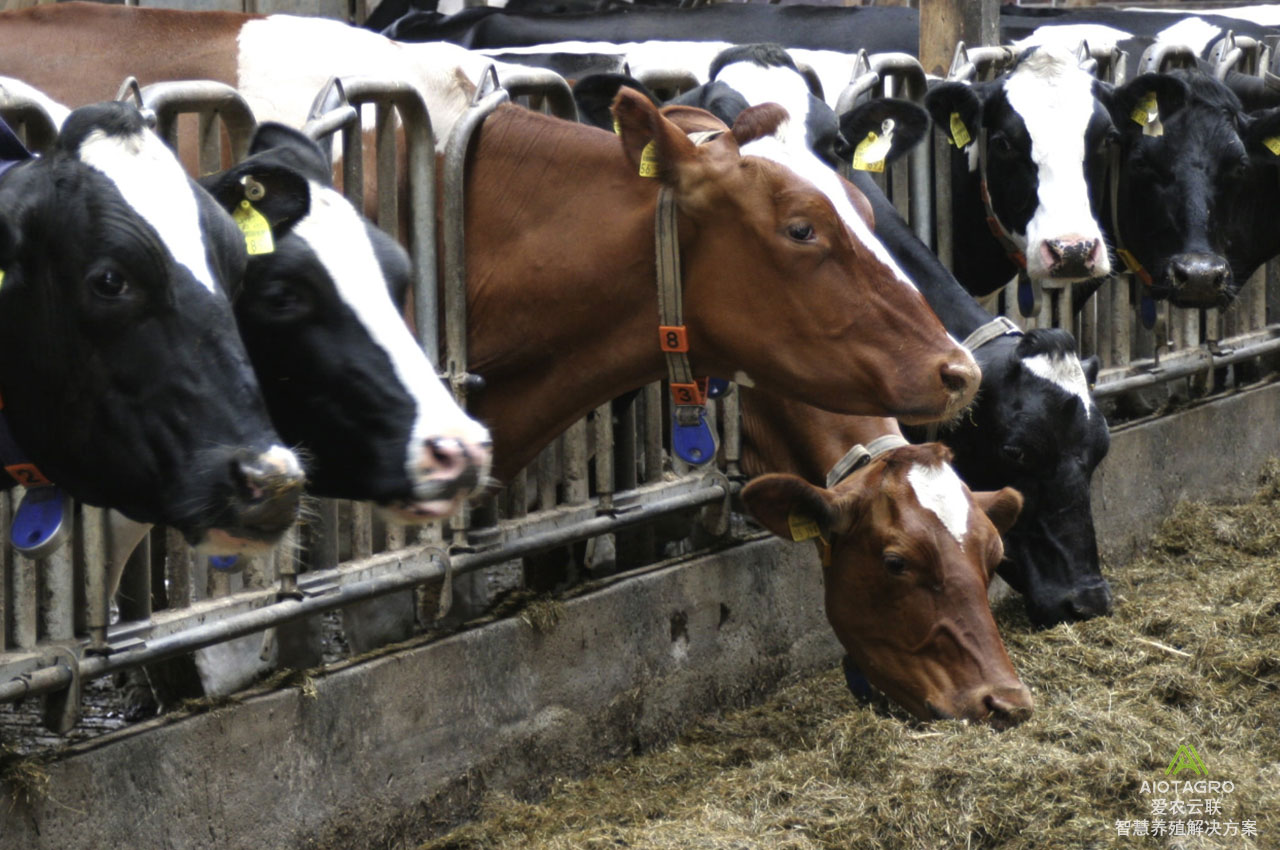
x,y
1190,656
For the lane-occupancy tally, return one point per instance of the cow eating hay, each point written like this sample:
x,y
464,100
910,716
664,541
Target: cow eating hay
x,y
1192,656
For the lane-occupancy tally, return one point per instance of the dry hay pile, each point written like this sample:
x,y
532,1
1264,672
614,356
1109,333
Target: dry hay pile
x,y
1191,656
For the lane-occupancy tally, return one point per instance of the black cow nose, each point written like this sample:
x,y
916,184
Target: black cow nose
x,y
1071,257
1199,279
1090,601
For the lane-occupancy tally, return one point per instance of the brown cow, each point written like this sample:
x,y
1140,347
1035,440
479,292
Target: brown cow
x,y
779,291
911,552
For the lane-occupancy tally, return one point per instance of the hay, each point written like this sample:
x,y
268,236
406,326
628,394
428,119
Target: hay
x,y
1191,656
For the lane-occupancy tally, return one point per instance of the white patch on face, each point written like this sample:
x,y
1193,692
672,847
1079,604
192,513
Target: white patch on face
x,y
1064,372
152,182
337,235
938,489
1196,33
284,461
1055,99
788,146
1069,36
742,379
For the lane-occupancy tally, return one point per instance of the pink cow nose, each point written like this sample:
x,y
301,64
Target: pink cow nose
x,y
444,456
449,467
1072,256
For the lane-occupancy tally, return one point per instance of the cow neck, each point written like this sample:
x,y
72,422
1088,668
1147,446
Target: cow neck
x,y
1113,193
1001,233
566,322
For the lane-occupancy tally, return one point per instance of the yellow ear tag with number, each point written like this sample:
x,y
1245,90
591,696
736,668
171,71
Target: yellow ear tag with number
x,y
1272,144
802,527
255,227
1147,116
959,132
871,152
649,161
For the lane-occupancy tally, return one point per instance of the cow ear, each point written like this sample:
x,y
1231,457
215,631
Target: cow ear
x,y
655,146
595,92
910,123
1001,507
1130,103
279,193
1261,134
791,507
1091,366
956,109
294,148
756,122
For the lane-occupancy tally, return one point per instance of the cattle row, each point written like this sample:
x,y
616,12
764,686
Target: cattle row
x,y
125,381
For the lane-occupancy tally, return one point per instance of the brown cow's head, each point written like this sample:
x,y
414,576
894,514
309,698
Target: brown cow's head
x,y
912,550
786,287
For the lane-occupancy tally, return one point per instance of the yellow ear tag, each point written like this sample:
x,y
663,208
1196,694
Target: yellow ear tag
x,y
1272,144
255,227
1147,116
871,152
617,128
649,161
1,277
802,527
959,133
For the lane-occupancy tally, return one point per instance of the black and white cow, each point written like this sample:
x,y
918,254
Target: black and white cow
x,y
1197,199
1046,132
1034,426
122,375
341,373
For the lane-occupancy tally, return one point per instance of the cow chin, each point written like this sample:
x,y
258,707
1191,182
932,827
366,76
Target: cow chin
x,y
218,542
418,513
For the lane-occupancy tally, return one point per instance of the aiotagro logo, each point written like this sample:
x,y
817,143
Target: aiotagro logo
x,y
1202,814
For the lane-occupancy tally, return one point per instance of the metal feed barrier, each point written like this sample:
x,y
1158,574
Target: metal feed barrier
x,y
603,482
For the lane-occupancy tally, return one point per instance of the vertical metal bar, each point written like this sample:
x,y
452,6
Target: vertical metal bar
x,y
576,490
209,136
520,494
654,420
324,538
732,434
25,602
921,192
1122,321
944,229
177,564
603,422
361,530
353,164
58,594
545,468
388,208
626,443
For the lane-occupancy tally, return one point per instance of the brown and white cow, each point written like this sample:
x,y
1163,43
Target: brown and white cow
x,y
780,291
911,550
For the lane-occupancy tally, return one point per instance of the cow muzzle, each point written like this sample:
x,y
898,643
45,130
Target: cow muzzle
x,y
445,474
1073,257
1001,706
266,492
1199,280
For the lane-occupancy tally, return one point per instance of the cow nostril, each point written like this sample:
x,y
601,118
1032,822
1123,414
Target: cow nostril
x,y
1054,247
956,377
1004,712
445,454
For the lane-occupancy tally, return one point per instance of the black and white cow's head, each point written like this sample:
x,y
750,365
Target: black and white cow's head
x,y
341,373
1197,198
122,374
1037,429
1046,140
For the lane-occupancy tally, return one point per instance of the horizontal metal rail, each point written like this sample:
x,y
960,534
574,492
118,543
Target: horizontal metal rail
x,y
1189,362
413,566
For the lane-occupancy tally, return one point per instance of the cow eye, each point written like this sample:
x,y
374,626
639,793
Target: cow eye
x,y
283,299
999,143
895,564
108,284
801,231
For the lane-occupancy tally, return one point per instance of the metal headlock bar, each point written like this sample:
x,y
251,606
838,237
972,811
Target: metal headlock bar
x,y
208,100
21,111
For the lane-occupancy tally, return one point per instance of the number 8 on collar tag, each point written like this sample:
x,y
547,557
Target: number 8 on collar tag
x,y
255,227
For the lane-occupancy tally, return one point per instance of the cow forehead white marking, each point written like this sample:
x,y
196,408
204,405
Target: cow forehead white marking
x,y
1065,372
1196,33
337,236
1099,36
938,489
152,182
789,147
1054,98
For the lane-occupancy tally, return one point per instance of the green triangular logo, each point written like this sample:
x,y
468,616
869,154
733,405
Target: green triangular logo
x,y
1186,758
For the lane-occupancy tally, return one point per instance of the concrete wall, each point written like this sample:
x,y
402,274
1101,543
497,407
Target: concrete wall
x,y
388,749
